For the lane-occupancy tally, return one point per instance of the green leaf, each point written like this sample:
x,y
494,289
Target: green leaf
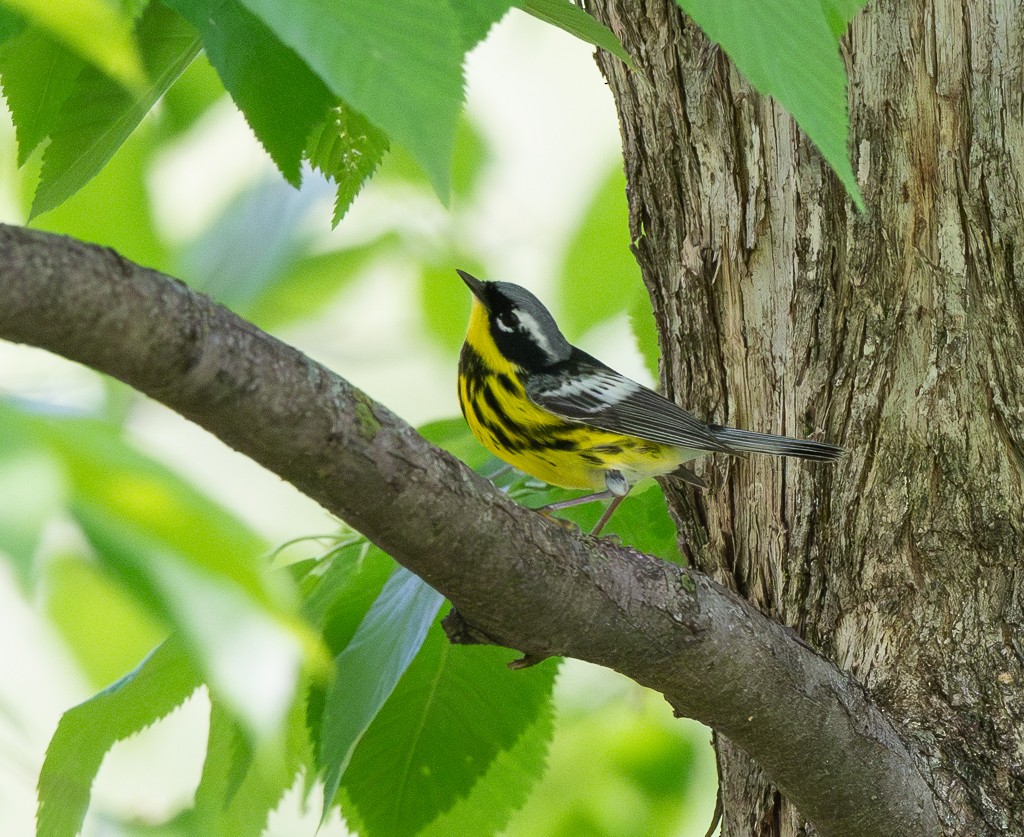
x,y
399,63
338,591
304,287
345,590
471,156
787,49
38,74
240,787
645,330
102,624
476,17
145,495
94,29
32,487
643,522
565,15
11,24
504,788
601,275
346,148
134,8
469,159
161,683
224,767
454,712
620,765
191,564
445,305
98,115
839,13
252,244
114,207
190,97
281,98
249,655
367,670
256,258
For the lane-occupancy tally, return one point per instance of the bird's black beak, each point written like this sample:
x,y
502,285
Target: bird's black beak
x,y
475,285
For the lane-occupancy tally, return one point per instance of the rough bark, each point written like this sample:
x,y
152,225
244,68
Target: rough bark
x,y
899,333
516,577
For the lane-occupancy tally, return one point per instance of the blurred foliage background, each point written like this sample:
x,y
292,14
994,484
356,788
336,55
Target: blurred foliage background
x,y
119,521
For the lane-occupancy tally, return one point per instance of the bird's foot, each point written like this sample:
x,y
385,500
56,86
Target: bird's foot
x,y
561,521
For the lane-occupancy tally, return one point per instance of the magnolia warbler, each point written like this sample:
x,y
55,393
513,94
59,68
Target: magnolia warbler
x,y
559,414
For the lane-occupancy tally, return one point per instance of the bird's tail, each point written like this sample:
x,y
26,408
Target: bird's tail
x,y
744,441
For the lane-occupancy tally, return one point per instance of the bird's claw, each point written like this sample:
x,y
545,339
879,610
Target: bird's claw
x,y
561,521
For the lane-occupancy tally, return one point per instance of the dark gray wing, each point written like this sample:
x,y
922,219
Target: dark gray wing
x,y
584,389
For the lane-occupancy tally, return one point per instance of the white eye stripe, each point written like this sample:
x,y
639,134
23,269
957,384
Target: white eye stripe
x,y
528,324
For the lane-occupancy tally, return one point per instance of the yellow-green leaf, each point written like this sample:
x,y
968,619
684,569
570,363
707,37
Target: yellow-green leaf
x,y
94,29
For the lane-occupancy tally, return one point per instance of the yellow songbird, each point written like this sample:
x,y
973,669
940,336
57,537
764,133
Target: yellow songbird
x,y
561,415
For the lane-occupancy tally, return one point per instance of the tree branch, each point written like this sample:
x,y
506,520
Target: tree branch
x,y
513,575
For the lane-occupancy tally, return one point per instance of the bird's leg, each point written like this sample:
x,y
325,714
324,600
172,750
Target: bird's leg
x,y
568,504
575,501
618,488
608,512
616,491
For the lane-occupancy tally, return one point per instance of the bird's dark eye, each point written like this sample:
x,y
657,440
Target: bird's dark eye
x,y
507,321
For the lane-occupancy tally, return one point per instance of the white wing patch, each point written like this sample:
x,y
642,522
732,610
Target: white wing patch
x,y
595,391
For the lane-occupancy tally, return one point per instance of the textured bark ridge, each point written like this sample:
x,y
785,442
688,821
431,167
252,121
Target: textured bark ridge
x,y
898,333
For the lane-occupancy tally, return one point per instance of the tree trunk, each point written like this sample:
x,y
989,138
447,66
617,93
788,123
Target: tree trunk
x,y
898,333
